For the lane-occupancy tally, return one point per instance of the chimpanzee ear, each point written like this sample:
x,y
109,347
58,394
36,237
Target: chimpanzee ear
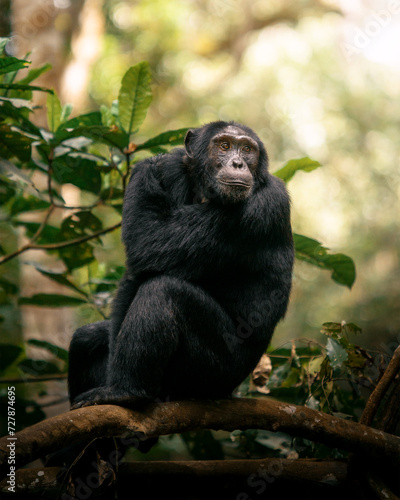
x,y
189,142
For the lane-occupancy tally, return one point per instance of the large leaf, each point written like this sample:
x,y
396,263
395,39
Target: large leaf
x,y
81,127
8,354
33,74
14,144
37,367
53,112
171,138
48,234
18,110
311,251
51,300
80,224
80,172
27,203
134,97
57,351
10,64
14,173
58,277
3,43
292,166
77,256
24,88
336,353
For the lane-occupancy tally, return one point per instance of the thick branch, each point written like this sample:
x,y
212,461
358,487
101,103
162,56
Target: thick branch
x,y
180,416
181,476
380,390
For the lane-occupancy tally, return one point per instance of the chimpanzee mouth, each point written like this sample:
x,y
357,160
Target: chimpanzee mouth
x,y
235,183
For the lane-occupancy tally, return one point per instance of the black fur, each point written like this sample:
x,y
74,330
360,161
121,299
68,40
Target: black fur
x,y
207,281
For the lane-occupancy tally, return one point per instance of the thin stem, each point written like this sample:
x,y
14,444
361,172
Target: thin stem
x,y
41,378
56,246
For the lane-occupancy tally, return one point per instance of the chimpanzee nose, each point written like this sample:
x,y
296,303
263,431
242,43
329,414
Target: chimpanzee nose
x,y
237,163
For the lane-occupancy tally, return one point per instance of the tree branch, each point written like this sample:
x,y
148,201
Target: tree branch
x,y
380,390
57,246
183,476
159,419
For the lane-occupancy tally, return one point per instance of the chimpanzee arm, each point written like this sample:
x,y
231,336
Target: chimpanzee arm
x,y
162,236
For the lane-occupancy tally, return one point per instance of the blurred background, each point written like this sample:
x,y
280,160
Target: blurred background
x,y
313,78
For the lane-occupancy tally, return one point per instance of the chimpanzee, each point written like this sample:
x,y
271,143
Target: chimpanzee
x,y
209,256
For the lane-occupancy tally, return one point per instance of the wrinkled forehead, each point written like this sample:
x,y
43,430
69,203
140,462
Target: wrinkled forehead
x,y
231,131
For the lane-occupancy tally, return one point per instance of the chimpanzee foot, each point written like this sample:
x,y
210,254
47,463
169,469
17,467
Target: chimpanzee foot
x,y
108,396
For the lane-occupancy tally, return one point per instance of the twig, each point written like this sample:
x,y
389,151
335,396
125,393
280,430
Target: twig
x,y
40,378
42,225
380,390
56,246
49,176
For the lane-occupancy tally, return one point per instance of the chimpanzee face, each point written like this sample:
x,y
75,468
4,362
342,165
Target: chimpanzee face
x,y
234,158
225,161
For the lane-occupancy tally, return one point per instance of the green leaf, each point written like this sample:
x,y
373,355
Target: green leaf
x,y
331,328
37,367
80,224
356,359
24,88
336,353
33,74
311,251
58,277
171,138
7,191
10,64
8,354
14,173
14,144
53,112
86,120
80,172
77,256
352,328
279,375
27,204
107,117
51,300
57,351
3,43
292,166
134,97
65,112
49,234
18,110
90,126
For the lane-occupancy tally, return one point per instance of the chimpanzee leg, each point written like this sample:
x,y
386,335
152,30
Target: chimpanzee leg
x,y
88,355
171,344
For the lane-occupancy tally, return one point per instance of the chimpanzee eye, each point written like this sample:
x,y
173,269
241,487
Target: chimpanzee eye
x,y
224,145
246,149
